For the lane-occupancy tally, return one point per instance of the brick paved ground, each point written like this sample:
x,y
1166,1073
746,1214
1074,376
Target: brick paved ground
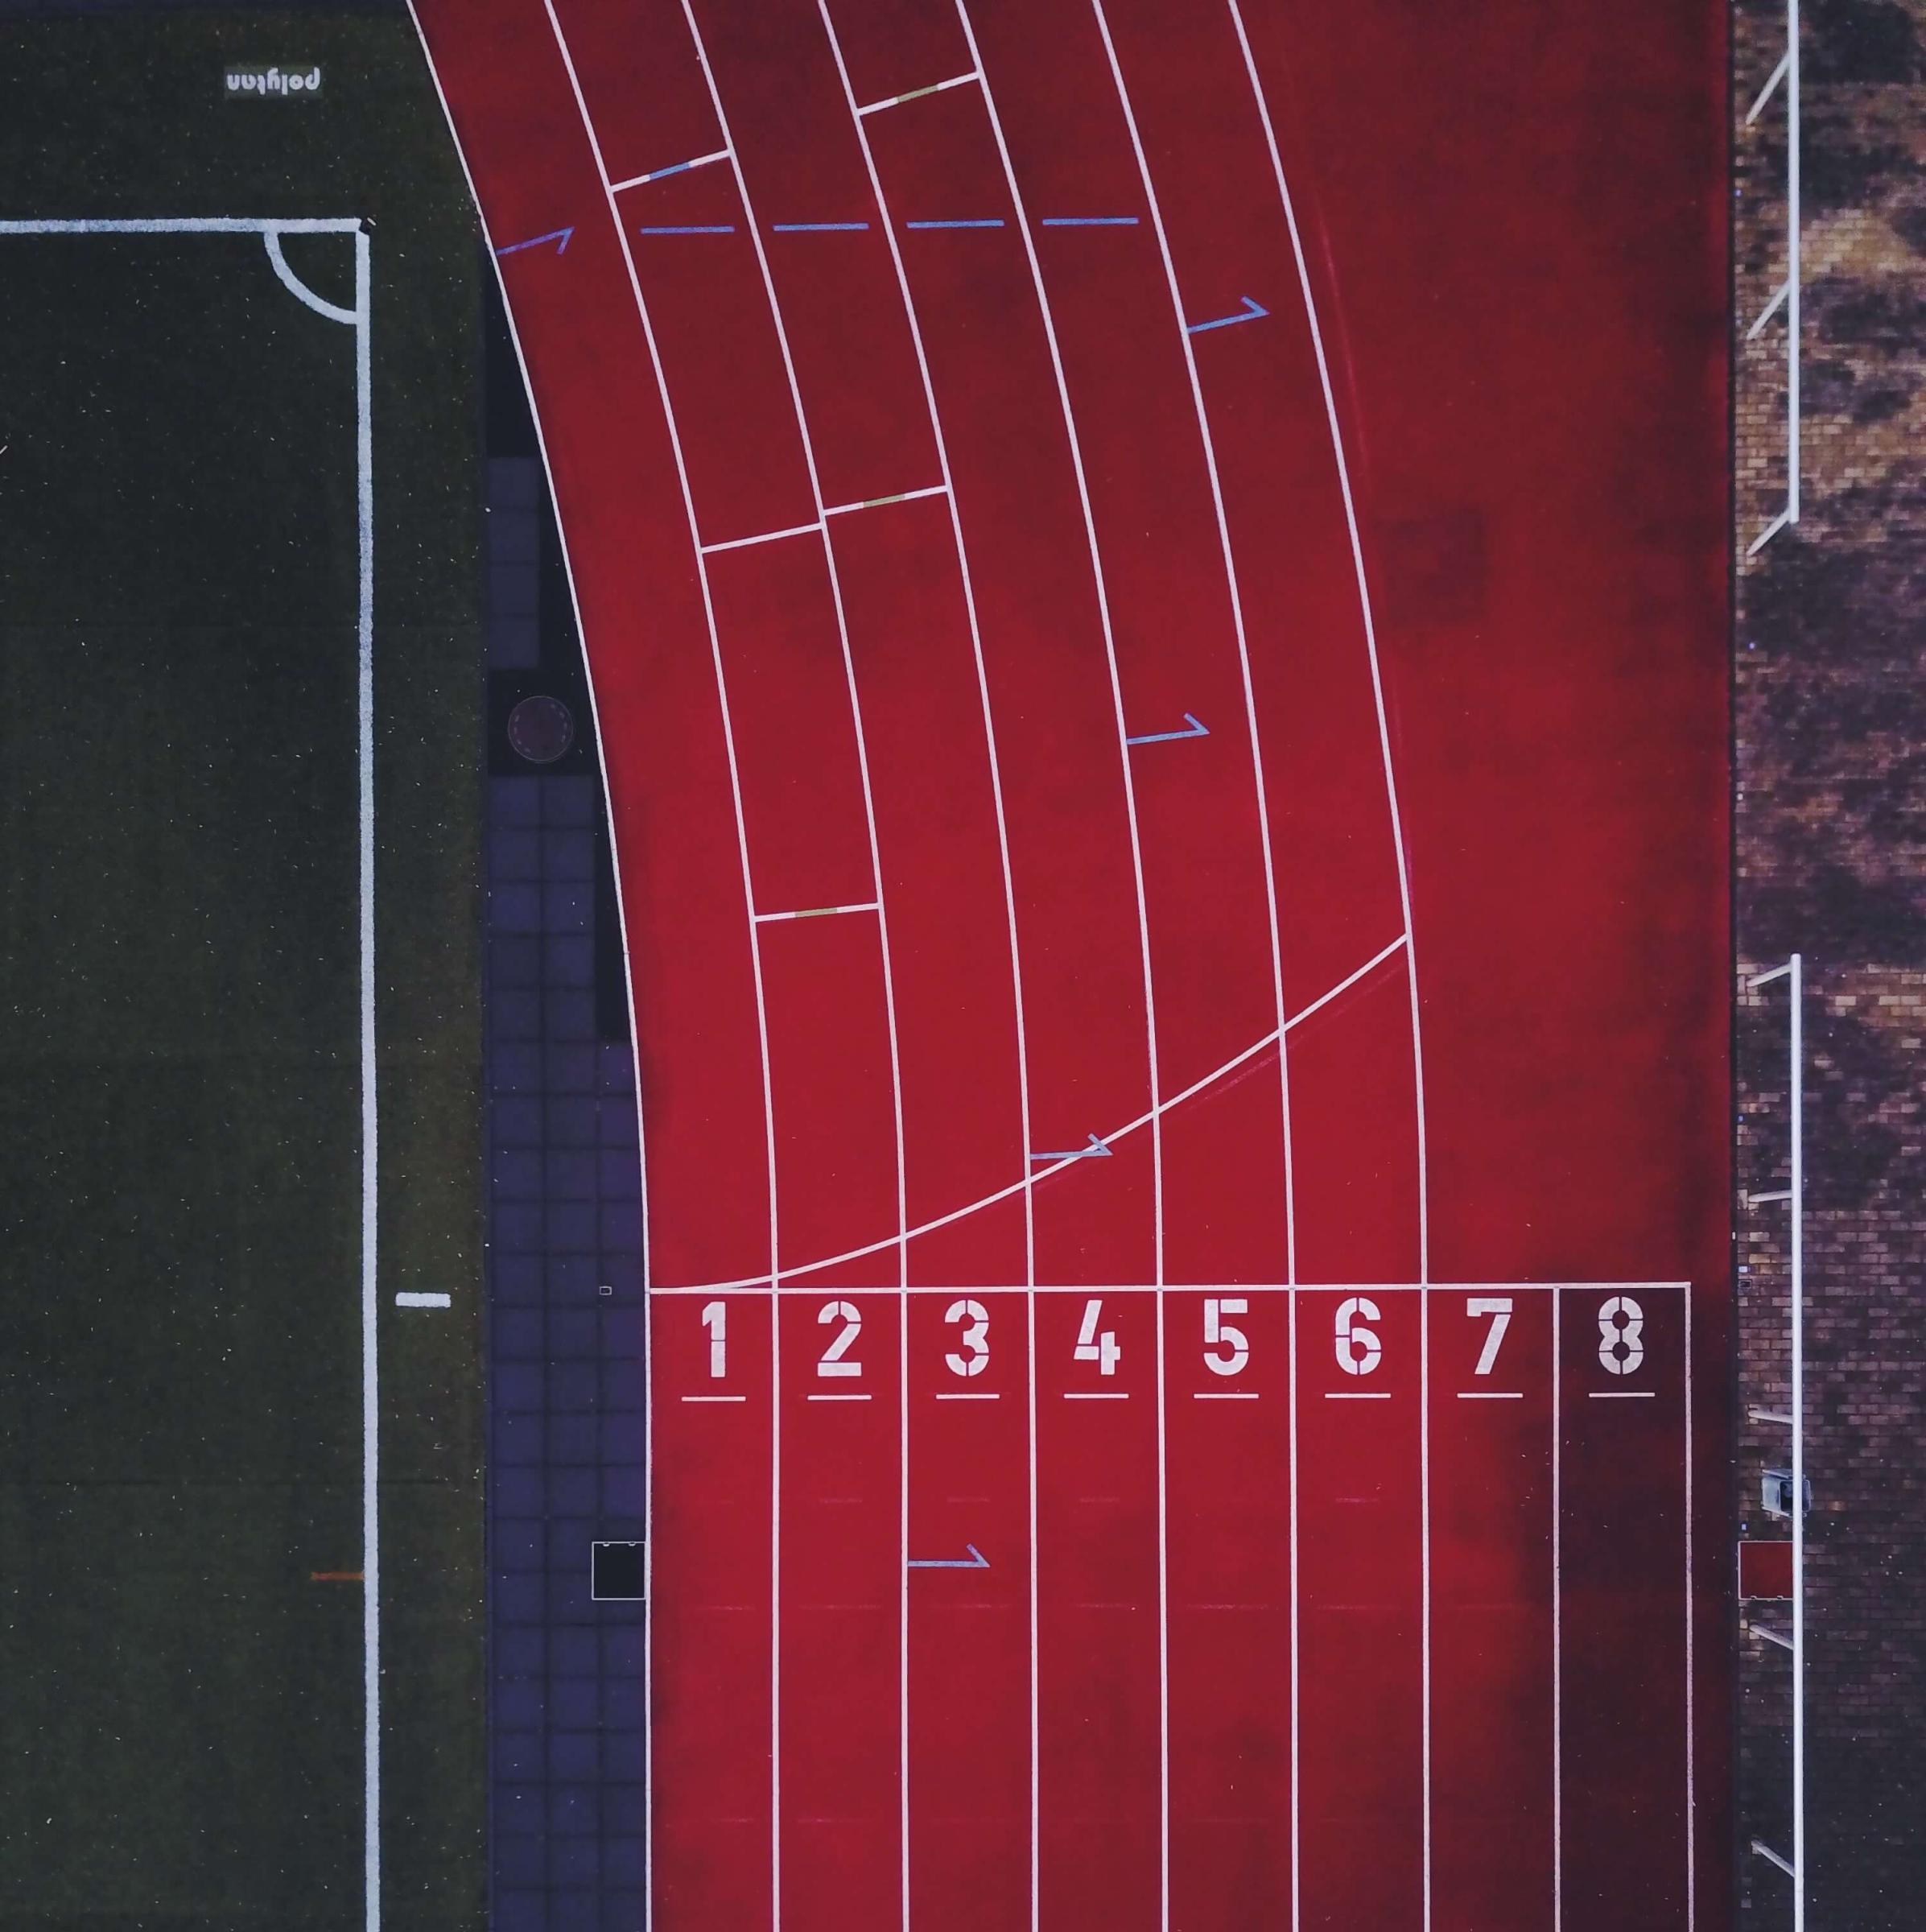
x,y
1831,740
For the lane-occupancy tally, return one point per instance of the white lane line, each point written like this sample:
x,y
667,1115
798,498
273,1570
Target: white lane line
x,y
1100,585
882,910
1185,337
424,1301
766,536
838,1398
682,471
915,94
1622,1395
1222,1395
1403,867
659,174
815,912
902,496
1094,1395
1491,1395
1691,1666
1003,847
1357,1395
715,1398
1558,1619
1147,1288
1003,1194
960,1396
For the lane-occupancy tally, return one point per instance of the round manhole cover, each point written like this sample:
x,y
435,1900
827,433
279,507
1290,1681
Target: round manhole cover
x,y
540,729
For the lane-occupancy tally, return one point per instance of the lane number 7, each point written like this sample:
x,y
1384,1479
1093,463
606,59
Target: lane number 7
x,y
1498,1308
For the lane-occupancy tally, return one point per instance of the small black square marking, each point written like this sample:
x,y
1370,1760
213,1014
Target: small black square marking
x,y
618,1573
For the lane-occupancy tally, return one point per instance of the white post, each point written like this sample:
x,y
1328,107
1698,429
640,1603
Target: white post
x,y
1792,192
1796,990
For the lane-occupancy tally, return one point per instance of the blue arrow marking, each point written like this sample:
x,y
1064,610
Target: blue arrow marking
x,y
976,1560
1091,1153
558,236
1251,311
1164,738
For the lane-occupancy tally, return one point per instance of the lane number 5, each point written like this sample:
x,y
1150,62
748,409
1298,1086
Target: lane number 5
x,y
1226,1349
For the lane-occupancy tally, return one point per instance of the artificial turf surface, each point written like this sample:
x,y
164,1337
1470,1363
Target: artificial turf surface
x,y
180,1374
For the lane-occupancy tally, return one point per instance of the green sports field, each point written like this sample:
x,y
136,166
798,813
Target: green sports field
x,y
181,1365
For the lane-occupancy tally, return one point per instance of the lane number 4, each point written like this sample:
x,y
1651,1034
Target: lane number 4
x,y
1091,1347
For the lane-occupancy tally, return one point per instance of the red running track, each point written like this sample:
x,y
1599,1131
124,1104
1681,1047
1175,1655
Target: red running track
x,y
1189,1290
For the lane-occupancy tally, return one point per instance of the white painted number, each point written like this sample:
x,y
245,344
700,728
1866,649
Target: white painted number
x,y
1102,1349
716,1319
1499,1308
1219,1335
832,1362
975,1337
1359,1349
1621,1334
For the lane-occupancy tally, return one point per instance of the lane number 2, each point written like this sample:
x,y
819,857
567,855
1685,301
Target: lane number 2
x,y
833,1362
1102,1349
975,1340
1226,1349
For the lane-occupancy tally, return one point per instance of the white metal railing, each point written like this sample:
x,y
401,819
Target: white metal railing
x,y
1786,296
1793,1417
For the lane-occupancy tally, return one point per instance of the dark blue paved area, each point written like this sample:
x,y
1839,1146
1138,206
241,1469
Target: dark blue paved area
x,y
568,1700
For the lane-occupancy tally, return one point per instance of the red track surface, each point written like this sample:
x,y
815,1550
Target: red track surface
x,y
1272,1627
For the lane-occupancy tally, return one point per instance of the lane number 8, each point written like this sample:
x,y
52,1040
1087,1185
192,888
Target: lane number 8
x,y
1621,1334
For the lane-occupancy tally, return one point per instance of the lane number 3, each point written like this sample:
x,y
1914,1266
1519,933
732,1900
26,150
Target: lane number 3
x,y
974,1341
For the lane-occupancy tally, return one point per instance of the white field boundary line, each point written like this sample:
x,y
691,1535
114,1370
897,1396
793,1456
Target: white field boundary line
x,y
1026,1186
1043,1173
1235,590
1390,792
880,905
359,319
762,1036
